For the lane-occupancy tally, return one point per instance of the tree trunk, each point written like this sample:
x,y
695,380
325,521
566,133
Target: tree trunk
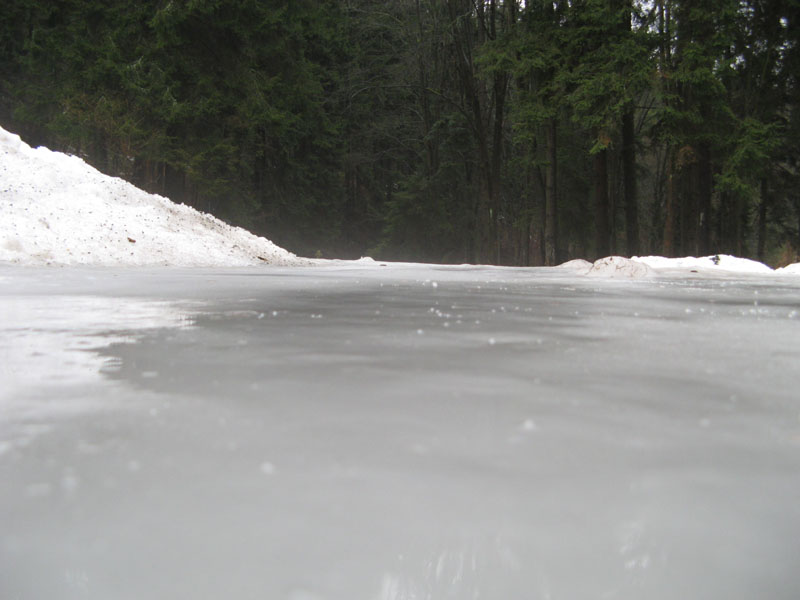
x,y
474,102
500,89
797,209
762,220
686,201
704,190
427,117
669,207
739,226
601,203
551,197
629,180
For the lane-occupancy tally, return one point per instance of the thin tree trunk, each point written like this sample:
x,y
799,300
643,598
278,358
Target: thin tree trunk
x,y
686,200
797,209
601,203
427,118
762,220
704,188
739,226
629,179
500,89
669,207
551,197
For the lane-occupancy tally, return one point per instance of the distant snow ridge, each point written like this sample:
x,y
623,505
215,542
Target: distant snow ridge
x,y
56,209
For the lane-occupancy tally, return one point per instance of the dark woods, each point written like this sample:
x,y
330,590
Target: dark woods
x,y
506,132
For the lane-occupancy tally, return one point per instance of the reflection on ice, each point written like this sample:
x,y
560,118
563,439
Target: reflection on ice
x,y
49,351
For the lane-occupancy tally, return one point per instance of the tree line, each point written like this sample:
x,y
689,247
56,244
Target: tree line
x,y
494,131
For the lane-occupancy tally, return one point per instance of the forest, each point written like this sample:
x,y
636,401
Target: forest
x,y
513,132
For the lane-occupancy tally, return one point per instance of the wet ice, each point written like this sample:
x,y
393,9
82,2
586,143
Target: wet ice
x,y
551,444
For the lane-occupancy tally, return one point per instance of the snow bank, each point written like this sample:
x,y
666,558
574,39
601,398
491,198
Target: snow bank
x,y
720,265
789,269
578,264
610,267
717,262
56,209
617,267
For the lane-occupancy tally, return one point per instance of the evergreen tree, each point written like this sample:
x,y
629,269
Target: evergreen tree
x,y
437,130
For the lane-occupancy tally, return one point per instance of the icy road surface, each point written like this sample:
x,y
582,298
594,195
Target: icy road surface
x,y
396,433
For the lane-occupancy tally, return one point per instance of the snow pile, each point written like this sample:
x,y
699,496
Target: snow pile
x,y
56,209
789,269
717,262
577,264
611,267
617,267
